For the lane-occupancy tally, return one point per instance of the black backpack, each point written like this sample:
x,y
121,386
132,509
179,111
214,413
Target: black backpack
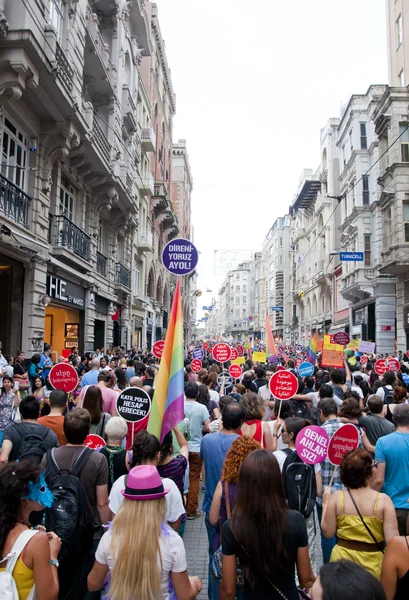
x,y
300,487
388,397
300,409
32,445
69,516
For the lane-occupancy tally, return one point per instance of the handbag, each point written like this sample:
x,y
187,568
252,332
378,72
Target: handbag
x,y
378,544
217,556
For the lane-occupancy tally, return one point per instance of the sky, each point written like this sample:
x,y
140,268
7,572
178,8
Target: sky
x,y
255,82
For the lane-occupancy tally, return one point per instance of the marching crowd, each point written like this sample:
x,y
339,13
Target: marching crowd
x,y
79,524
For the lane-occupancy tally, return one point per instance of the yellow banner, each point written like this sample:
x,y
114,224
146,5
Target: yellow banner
x,y
332,354
354,345
259,357
238,361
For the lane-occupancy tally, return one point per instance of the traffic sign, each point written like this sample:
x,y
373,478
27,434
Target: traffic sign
x,y
283,385
228,379
198,353
157,348
94,441
133,404
221,352
180,256
235,371
340,338
196,365
63,376
351,256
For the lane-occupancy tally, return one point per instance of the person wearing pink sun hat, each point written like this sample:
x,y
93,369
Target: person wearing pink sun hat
x,y
141,552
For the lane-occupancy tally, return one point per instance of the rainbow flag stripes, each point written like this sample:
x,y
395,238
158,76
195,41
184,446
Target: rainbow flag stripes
x,y
168,400
270,345
312,350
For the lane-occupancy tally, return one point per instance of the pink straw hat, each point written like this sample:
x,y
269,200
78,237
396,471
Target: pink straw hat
x,y
144,483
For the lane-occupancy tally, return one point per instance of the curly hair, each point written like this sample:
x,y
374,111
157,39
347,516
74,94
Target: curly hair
x,y
14,480
253,405
240,448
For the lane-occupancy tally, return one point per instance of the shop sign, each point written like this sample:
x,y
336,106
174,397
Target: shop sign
x,y
65,291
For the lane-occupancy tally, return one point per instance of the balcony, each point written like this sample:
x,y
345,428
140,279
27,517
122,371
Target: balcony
x,y
145,241
359,284
101,264
324,273
65,236
128,110
395,260
14,203
122,278
146,184
100,140
148,140
98,66
160,198
62,68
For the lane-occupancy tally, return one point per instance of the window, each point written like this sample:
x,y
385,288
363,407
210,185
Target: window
x,y
101,236
367,249
344,156
137,279
14,154
244,312
404,141
280,260
237,289
406,220
352,195
365,190
244,301
237,299
244,289
351,145
237,312
67,198
237,275
364,140
57,16
399,32
402,78
281,241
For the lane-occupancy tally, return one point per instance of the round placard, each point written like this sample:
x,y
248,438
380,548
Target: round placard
x,y
180,256
393,364
341,338
306,369
240,350
196,365
221,352
312,444
94,441
198,353
381,366
235,371
363,360
234,354
283,385
133,404
63,376
158,347
205,346
345,439
228,380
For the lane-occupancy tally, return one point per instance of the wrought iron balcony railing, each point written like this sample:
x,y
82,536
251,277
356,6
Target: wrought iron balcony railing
x,y
14,203
63,232
101,264
123,276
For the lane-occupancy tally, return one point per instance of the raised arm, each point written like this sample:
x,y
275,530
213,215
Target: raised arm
x,y
182,441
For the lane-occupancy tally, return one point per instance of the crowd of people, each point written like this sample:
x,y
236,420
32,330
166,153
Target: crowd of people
x,y
79,524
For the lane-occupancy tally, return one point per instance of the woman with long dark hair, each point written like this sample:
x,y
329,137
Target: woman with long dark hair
x,y
21,375
9,400
33,554
93,403
121,381
267,537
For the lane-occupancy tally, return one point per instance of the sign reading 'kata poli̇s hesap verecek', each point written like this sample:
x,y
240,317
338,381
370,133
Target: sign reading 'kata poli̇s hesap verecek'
x,y
312,444
221,352
196,365
180,256
283,385
133,404
157,348
345,439
63,376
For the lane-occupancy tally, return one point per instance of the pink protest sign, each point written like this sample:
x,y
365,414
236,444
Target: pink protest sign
x,y
283,385
345,439
312,444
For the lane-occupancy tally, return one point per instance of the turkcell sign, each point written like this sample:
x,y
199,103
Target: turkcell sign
x,y
180,256
351,256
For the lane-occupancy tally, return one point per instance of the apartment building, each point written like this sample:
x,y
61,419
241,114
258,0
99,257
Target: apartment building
x,y
398,42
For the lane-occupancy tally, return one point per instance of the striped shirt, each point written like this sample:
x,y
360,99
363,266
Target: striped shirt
x,y
175,470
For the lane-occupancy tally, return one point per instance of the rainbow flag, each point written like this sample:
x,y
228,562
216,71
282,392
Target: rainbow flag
x,y
271,349
312,350
168,400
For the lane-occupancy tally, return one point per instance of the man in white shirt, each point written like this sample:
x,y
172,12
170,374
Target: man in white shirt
x,y
146,450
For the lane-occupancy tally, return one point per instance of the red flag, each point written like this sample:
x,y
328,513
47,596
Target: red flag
x,y
115,316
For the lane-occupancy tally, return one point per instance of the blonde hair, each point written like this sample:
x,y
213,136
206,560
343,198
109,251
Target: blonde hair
x,y
135,547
